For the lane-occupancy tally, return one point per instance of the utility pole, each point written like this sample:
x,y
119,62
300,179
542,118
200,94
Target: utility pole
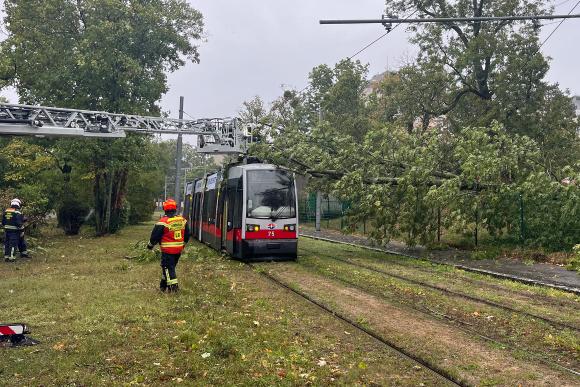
x,y
318,193
165,189
178,156
318,210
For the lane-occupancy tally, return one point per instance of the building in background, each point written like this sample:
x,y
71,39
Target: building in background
x,y
576,100
374,83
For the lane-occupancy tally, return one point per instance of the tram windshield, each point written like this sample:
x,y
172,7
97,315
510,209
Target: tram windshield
x,y
271,195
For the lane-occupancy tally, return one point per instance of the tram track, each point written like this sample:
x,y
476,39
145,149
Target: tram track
x,y
448,291
489,273
433,368
461,325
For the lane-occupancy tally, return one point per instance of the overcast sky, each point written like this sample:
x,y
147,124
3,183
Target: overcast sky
x,y
259,47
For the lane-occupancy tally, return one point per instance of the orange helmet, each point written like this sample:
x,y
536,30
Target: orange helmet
x,y
169,205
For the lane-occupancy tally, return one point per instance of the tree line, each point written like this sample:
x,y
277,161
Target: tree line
x,y
108,55
469,133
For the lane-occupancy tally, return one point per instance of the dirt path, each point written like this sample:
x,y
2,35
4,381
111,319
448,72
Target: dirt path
x,y
542,272
470,359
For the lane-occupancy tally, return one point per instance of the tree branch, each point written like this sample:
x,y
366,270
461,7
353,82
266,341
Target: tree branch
x,y
451,106
456,71
464,186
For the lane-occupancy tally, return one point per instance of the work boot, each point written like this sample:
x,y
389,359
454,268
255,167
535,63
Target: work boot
x,y
173,288
25,256
163,285
8,258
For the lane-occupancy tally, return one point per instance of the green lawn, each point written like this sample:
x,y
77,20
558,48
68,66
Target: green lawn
x,y
101,320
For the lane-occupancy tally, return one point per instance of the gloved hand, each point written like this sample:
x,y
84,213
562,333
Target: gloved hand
x,y
149,246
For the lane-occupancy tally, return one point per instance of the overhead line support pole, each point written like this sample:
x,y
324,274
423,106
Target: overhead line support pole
x,y
449,19
178,156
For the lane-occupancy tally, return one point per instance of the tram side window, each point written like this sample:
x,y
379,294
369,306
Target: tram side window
x,y
196,201
187,207
206,206
238,203
209,206
231,195
220,207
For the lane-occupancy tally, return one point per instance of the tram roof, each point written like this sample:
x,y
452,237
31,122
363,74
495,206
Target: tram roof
x,y
257,166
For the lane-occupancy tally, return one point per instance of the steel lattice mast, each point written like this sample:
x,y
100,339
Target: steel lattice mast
x,y
214,135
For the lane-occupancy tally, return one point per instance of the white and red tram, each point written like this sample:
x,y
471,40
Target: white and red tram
x,y
249,210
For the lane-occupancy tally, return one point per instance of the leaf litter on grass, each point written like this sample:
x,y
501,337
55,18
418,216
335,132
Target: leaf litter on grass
x,y
140,253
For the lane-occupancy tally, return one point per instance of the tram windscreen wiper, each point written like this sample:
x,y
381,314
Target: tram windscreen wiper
x,y
277,214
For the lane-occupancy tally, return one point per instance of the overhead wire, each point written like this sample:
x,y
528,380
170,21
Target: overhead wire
x,y
527,63
414,12
558,26
381,37
369,45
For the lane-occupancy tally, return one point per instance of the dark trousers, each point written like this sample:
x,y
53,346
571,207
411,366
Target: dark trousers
x,y
12,241
168,274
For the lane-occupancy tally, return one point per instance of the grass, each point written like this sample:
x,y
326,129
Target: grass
x,y
429,338
101,320
516,330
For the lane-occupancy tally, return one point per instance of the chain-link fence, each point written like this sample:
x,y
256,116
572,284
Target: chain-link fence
x,y
333,214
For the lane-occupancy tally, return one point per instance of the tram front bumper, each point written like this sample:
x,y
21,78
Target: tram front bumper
x,y
269,249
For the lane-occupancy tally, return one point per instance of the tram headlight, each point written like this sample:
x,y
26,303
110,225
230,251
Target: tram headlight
x,y
252,227
289,227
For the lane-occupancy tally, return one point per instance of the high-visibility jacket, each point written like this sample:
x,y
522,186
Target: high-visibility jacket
x,y
13,220
171,233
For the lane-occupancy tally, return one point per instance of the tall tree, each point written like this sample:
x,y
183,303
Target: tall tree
x,y
477,72
108,55
253,111
336,95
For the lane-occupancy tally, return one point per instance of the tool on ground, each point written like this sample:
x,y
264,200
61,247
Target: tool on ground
x,y
14,335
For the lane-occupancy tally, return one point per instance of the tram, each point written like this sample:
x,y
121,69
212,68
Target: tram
x,y
249,210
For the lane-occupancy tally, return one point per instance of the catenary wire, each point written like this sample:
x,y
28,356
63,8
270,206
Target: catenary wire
x,y
369,45
558,26
380,37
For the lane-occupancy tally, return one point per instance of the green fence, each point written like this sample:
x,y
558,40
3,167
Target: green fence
x,y
333,214
528,221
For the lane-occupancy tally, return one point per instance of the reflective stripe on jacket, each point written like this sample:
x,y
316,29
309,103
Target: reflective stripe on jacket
x,y
174,230
13,220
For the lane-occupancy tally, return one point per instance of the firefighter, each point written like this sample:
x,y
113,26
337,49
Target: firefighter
x,y
13,224
172,233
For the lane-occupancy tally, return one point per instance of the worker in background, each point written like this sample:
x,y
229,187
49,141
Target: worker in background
x,y
172,233
13,224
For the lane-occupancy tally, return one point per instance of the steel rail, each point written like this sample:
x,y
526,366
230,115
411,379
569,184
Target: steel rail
x,y
463,327
449,292
391,345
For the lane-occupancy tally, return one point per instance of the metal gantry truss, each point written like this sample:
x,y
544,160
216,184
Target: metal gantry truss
x,y
214,135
